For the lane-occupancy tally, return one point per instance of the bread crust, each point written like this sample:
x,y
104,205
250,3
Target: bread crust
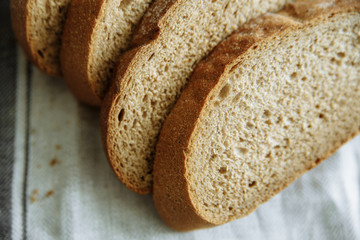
x,y
171,188
20,14
76,40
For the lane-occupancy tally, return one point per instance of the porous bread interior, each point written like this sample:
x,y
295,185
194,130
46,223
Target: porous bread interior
x,y
276,115
158,77
111,36
46,22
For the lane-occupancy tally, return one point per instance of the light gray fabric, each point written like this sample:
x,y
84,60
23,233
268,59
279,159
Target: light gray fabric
x,y
71,192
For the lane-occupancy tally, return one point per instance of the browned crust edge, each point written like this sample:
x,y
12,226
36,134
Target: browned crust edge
x,y
108,104
76,40
78,30
143,39
21,26
171,191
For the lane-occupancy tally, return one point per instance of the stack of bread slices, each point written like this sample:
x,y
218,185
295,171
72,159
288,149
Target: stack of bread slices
x,y
213,105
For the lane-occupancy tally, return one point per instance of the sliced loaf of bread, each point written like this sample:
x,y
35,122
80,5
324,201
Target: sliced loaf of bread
x,y
173,37
38,26
95,34
270,103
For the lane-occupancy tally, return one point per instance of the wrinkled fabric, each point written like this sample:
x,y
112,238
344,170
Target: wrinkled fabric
x,y
71,192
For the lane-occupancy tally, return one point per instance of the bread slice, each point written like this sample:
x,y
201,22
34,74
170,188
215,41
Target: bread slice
x,y
270,103
38,27
95,34
173,37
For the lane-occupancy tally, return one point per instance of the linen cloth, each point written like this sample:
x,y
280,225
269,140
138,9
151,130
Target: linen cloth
x,y
57,184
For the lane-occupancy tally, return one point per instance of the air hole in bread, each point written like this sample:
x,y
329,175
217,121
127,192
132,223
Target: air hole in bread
x,y
341,54
266,114
293,75
40,53
318,160
145,98
231,208
237,97
321,115
124,3
226,6
134,123
121,115
268,122
223,170
334,61
225,91
239,151
250,125
152,55
252,184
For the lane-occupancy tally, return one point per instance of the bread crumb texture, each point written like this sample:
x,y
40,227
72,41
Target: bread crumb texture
x,y
45,23
111,36
275,116
145,92
258,120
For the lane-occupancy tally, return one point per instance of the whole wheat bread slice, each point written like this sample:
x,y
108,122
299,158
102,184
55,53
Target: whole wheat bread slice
x,y
173,37
95,34
38,27
270,103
